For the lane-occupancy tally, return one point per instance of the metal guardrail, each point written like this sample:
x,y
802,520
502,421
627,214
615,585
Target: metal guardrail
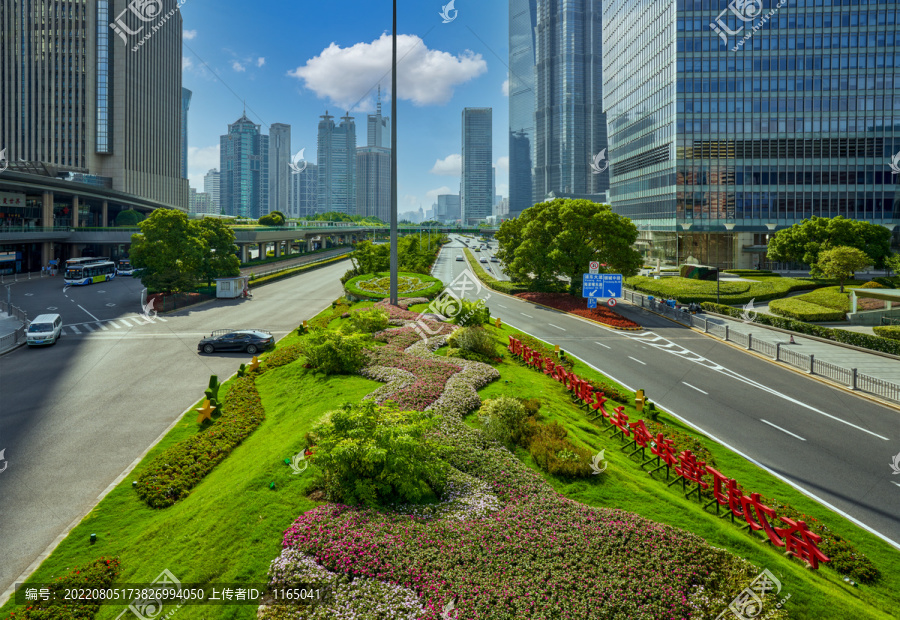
x,y
886,320
14,311
12,340
848,377
312,262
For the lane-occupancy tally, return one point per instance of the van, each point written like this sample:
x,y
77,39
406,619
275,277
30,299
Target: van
x,y
44,329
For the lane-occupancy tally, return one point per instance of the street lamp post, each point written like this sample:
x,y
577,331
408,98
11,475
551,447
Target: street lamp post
x,y
394,299
717,285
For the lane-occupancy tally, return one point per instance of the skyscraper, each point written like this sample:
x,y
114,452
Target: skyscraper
x,y
373,169
570,127
279,167
211,187
244,170
476,193
788,118
72,100
447,209
336,146
522,21
185,106
304,194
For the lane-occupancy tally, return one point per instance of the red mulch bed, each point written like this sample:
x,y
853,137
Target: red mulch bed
x,y
576,305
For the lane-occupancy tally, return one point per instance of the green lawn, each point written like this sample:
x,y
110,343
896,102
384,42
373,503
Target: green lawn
x,y
823,304
688,290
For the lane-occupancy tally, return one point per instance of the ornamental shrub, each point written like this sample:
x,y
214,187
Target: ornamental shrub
x,y
101,574
873,284
472,313
475,340
887,282
374,455
558,456
367,321
888,331
333,352
804,311
504,420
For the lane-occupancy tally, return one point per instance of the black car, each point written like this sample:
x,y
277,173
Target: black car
x,y
249,340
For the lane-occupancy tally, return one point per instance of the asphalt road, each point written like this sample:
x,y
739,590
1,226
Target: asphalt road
x,y
75,415
827,442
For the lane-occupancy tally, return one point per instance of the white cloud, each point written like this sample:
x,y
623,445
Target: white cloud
x,y
200,161
345,74
502,165
411,201
503,189
238,67
186,63
505,88
260,61
189,35
450,166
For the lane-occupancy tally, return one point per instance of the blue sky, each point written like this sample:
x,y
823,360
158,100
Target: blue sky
x,y
292,61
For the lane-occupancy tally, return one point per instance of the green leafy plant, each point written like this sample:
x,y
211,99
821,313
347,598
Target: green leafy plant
x,y
373,455
99,574
804,311
474,339
888,331
842,262
333,352
367,321
504,420
472,313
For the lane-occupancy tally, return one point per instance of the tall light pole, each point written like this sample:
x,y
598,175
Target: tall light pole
x,y
394,261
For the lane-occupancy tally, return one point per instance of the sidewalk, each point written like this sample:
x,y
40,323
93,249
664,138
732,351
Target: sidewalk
x,y
10,326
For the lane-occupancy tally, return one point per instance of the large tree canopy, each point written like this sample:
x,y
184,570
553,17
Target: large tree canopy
x,y
175,253
803,242
842,262
562,236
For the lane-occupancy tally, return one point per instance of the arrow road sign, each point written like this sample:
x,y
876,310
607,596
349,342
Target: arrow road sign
x,y
602,285
592,302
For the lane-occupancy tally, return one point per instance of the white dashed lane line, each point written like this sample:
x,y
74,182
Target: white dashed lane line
x,y
528,315
603,345
637,360
556,326
695,388
781,429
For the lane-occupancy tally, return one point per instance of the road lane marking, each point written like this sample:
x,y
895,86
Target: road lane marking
x,y
88,327
116,325
103,327
528,315
502,306
88,313
161,319
897,483
603,345
637,360
74,329
556,326
695,387
127,324
781,429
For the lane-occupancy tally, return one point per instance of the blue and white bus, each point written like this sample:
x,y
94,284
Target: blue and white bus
x,y
77,275
125,268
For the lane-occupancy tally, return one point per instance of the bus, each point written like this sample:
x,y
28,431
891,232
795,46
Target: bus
x,y
85,260
125,268
90,273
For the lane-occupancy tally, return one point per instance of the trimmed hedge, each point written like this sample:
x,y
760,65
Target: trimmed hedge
x,y
874,343
888,331
753,272
287,273
171,475
795,308
510,288
100,574
434,288
688,291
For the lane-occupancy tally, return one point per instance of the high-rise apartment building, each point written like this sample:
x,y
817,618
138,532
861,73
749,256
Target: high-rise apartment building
x,y
570,127
279,167
717,139
70,98
373,169
304,194
336,156
211,186
476,192
244,170
202,203
522,22
447,208
185,106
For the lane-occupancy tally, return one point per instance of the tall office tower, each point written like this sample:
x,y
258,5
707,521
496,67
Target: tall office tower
x,y
729,138
70,98
304,194
447,208
211,186
336,158
570,127
476,186
279,167
185,106
244,170
378,127
522,22
373,182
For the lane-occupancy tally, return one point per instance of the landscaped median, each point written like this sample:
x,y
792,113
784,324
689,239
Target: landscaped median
x,y
688,290
425,484
287,273
378,285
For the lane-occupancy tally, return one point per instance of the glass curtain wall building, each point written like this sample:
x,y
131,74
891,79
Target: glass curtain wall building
x,y
569,123
336,156
476,187
244,170
727,124
522,20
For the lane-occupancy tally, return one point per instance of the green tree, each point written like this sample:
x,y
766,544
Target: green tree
x,y
272,219
168,251
842,262
803,242
560,237
368,257
129,217
371,455
219,258
893,263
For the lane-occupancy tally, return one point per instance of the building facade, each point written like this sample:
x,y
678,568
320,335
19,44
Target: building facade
x,y
522,22
202,203
244,170
378,127
569,126
185,107
373,182
447,208
304,192
726,127
279,167
476,185
336,157
211,187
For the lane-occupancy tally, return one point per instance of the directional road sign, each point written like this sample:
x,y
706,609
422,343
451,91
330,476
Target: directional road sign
x,y
601,285
592,302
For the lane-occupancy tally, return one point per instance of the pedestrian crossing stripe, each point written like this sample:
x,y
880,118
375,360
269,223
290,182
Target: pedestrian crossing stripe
x,y
74,329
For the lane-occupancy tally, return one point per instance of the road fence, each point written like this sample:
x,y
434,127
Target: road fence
x,y
17,337
848,377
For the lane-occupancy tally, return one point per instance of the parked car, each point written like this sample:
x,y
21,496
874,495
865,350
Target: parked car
x,y
44,329
250,340
459,257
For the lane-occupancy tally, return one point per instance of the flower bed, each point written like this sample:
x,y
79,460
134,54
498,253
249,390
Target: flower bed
x,y
374,285
576,305
101,574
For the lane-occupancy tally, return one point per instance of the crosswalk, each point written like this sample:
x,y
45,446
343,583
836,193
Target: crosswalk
x,y
110,325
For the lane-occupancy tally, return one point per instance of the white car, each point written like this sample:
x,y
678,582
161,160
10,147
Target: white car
x,y
44,329
482,260
459,257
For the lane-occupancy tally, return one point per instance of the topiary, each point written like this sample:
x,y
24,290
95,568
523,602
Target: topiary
x,y
873,284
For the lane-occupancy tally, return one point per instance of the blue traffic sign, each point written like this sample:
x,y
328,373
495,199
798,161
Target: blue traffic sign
x,y
592,302
602,285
